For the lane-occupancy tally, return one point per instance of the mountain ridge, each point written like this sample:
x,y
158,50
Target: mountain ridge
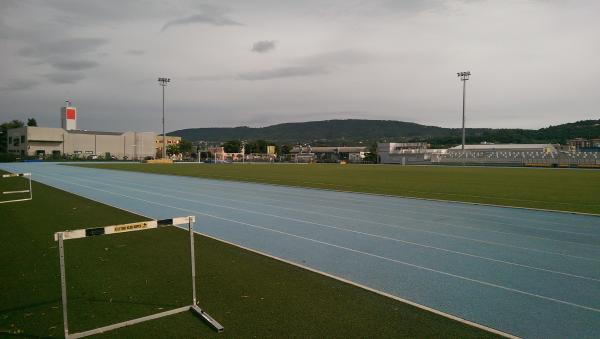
x,y
365,131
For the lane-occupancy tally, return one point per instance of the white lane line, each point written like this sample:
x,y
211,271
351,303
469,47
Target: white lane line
x,y
481,229
367,211
406,200
340,228
365,287
420,230
385,294
457,217
588,308
378,206
485,283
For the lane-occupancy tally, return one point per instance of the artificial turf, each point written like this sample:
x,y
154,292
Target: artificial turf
x,y
119,277
557,189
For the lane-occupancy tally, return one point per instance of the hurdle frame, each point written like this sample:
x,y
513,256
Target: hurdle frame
x,y
122,228
30,191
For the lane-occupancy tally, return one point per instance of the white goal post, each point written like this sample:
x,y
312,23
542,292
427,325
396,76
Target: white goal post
x,y
30,191
131,227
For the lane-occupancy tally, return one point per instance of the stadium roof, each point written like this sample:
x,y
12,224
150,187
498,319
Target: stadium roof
x,y
503,146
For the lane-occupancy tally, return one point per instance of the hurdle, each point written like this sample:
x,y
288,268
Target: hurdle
x,y
116,229
30,190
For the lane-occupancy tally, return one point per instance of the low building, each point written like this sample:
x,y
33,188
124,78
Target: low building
x,y
406,152
329,154
158,143
582,144
33,141
219,154
58,142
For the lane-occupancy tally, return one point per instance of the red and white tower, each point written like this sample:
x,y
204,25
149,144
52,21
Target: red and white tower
x,y
68,116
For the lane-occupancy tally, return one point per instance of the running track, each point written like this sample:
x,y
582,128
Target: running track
x,y
529,273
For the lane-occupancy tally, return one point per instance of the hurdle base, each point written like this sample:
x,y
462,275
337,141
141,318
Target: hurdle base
x,y
103,329
212,322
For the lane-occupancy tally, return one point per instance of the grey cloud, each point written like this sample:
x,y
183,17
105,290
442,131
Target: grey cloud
x,y
211,15
61,47
341,57
65,78
73,65
322,63
263,46
317,64
19,85
135,52
108,11
284,72
210,77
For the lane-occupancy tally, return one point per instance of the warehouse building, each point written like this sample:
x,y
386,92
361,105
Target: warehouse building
x,y
70,142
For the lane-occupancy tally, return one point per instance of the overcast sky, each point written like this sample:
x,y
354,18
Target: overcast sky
x,y
232,63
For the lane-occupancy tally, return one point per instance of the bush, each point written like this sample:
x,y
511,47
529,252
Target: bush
x,y
7,157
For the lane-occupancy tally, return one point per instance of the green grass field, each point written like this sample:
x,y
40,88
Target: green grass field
x,y
558,189
115,278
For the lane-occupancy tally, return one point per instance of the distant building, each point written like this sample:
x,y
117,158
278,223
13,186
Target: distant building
x,y
69,141
582,144
219,154
158,143
58,142
406,152
329,154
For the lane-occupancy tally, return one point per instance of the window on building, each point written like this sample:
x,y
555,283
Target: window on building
x,y
16,142
9,140
22,139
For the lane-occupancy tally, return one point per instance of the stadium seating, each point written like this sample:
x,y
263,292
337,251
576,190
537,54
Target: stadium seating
x,y
524,158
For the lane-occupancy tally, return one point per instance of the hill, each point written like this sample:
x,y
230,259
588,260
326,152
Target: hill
x,y
353,131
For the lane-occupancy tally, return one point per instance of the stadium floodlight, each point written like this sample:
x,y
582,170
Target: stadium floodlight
x,y
163,82
61,237
464,76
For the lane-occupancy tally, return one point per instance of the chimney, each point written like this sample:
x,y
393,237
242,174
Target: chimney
x,y
68,117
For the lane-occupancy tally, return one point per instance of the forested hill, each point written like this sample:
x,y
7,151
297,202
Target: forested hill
x,y
352,131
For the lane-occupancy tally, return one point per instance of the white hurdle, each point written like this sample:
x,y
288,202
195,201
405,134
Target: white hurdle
x,y
30,190
132,227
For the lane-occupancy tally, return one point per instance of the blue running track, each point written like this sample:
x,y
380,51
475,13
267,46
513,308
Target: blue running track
x,y
532,274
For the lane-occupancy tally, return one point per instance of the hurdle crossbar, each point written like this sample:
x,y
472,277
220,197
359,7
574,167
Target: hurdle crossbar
x,y
131,227
30,190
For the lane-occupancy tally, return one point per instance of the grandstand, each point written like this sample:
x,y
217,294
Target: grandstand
x,y
533,155
407,153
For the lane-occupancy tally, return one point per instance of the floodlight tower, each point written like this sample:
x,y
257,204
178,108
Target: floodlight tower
x,y
163,82
464,76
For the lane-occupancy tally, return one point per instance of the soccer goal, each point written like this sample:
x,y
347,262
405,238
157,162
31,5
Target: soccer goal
x,y
61,237
21,192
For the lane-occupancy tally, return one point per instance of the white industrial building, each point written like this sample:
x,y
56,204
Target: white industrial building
x,y
68,141
406,152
